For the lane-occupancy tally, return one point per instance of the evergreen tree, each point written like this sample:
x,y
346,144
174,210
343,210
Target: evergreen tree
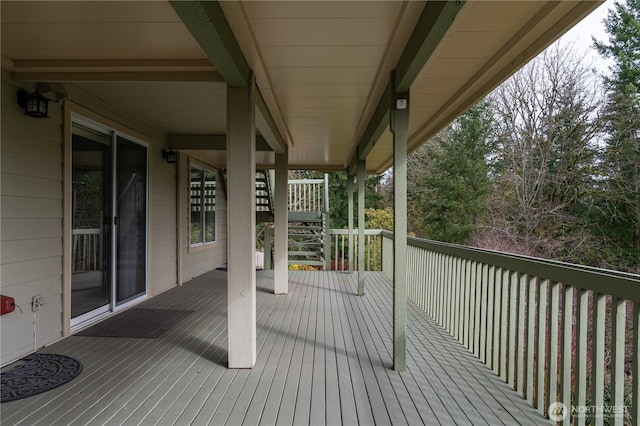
x,y
449,178
339,200
620,204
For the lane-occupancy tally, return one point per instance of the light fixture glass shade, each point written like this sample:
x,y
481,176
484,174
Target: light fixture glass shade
x,y
34,105
170,156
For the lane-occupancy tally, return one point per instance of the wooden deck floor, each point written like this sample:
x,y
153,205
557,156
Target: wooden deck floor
x,y
324,359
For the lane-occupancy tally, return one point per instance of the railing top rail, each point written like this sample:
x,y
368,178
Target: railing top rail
x,y
618,284
355,231
86,231
305,181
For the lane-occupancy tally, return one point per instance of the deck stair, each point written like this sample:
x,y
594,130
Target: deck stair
x,y
306,238
264,196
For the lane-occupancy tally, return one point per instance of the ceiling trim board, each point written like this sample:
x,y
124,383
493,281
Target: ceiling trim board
x,y
76,65
200,142
86,76
267,127
378,123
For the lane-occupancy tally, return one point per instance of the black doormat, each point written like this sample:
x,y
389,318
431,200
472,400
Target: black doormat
x,y
137,323
37,373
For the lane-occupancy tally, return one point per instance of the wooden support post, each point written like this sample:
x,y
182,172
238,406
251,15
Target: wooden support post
x,y
399,127
241,225
350,220
281,272
362,172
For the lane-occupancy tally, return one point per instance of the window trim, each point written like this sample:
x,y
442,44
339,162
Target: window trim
x,y
204,167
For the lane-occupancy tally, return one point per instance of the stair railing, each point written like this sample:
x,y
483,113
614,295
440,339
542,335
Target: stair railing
x,y
307,195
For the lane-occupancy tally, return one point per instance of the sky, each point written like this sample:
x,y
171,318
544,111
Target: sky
x,y
591,26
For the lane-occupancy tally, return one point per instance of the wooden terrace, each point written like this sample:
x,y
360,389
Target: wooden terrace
x,y
324,357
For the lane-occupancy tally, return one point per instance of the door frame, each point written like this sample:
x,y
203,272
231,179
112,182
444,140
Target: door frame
x,y
76,113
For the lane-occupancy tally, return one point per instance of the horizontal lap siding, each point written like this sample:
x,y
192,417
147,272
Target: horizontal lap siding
x,y
31,224
162,222
31,221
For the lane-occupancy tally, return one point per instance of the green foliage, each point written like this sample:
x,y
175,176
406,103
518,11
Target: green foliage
x,y
379,218
339,200
619,198
449,178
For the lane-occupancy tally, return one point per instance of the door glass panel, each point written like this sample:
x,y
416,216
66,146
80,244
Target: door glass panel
x,y
131,214
196,205
209,206
91,219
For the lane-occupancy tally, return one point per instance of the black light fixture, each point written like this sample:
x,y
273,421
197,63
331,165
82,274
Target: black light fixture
x,y
170,156
35,105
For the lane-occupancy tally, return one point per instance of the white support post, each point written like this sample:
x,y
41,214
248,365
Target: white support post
x,y
280,255
361,188
399,126
241,225
350,224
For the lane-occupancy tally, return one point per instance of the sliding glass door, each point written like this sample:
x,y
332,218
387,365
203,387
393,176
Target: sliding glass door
x,y
131,223
91,208
109,221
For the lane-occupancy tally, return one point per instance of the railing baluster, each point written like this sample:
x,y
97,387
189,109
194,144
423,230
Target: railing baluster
x,y
582,321
448,293
514,293
475,310
599,312
458,298
467,304
635,360
484,277
552,371
567,342
531,336
541,353
498,309
522,348
618,339
424,258
504,325
491,309
439,284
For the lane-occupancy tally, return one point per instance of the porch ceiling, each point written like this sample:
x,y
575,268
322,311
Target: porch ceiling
x,y
321,66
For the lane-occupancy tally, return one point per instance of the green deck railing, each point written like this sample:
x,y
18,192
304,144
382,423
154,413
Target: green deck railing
x,y
555,332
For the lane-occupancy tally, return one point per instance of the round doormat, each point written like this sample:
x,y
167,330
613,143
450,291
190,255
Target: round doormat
x,y
37,373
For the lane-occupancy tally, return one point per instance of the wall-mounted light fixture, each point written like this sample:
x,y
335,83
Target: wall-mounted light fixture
x,y
170,156
36,104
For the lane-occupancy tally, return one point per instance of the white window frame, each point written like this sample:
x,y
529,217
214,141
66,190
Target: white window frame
x,y
213,171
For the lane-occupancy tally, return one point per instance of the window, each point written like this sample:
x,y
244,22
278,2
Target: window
x,y
203,205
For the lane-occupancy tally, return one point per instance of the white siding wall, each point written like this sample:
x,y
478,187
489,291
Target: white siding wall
x,y
30,224
197,261
163,267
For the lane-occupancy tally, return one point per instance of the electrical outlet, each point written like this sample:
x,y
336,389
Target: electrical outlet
x,y
37,302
